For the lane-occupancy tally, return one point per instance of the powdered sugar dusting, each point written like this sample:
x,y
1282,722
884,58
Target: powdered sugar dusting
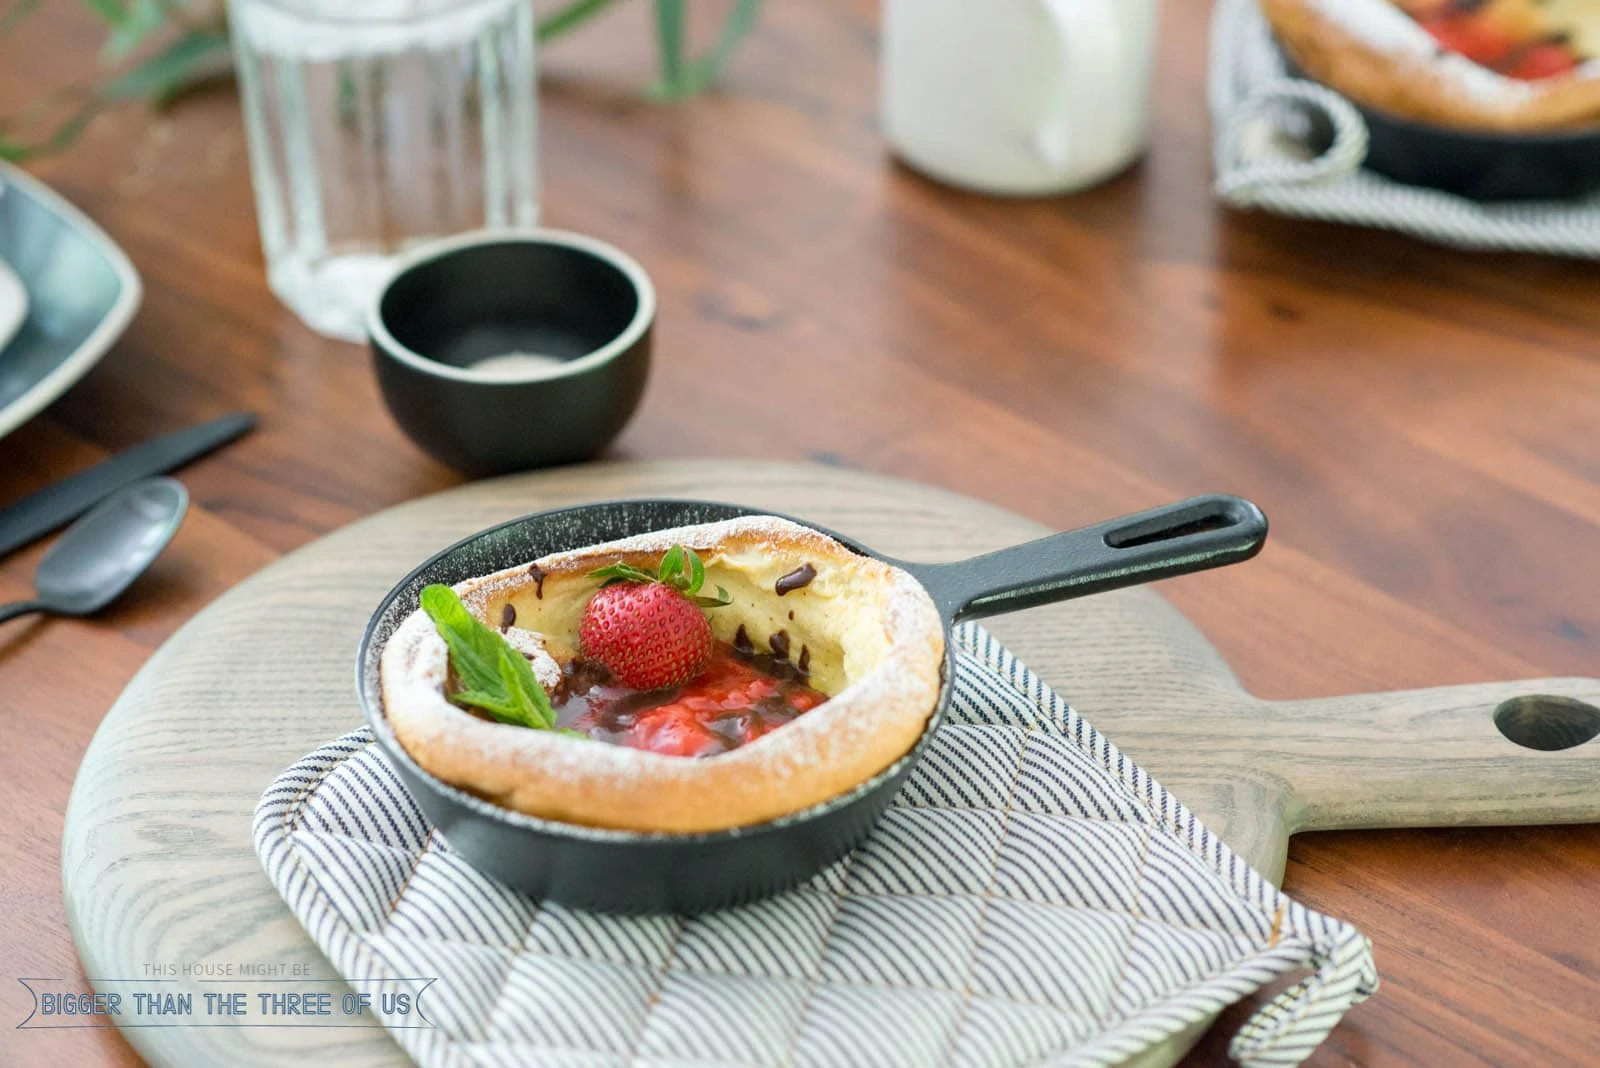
x,y
531,645
764,531
1387,28
1380,24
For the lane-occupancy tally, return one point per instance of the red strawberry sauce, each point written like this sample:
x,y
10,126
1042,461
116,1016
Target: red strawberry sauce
x,y
738,698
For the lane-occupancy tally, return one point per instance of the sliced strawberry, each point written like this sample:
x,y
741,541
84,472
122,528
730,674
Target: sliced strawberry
x,y
675,730
1544,60
736,699
806,700
1472,36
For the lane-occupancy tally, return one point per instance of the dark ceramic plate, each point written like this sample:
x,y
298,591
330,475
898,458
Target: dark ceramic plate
x,y
624,871
82,291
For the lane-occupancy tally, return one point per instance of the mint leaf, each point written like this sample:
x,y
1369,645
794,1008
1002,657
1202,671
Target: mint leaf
x,y
722,599
681,568
671,571
621,573
697,573
494,704
497,679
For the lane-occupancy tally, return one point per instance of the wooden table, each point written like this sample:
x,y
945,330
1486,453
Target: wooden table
x,y
1419,423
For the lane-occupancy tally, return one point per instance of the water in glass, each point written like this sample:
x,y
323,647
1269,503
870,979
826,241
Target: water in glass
x,y
375,125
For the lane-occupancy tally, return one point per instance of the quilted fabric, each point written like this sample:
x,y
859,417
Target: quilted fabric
x,y
1031,897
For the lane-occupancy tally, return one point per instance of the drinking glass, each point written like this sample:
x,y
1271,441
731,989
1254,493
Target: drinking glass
x,y
376,125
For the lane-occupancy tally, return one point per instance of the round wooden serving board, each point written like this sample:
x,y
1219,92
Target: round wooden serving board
x,y
158,865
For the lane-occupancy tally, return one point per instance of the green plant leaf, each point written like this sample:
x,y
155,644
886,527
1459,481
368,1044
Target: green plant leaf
x,y
141,18
195,56
13,151
685,79
574,14
496,678
704,72
113,11
73,105
670,19
71,129
198,54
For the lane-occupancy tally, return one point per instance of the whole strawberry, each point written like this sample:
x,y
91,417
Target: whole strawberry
x,y
649,630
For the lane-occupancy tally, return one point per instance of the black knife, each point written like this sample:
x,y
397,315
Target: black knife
x,y
39,513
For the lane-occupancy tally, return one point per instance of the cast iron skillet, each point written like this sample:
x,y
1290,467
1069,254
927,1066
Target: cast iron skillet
x,y
1483,165
624,871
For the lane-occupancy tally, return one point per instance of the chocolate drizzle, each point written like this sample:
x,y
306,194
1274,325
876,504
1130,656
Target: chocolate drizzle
x,y
742,643
804,663
508,616
799,578
581,675
779,643
536,573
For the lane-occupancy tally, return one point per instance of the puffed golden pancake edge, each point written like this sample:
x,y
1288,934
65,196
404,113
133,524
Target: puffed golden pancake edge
x,y
877,648
1373,53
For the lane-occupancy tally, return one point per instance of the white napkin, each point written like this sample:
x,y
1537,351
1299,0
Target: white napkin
x,y
1032,897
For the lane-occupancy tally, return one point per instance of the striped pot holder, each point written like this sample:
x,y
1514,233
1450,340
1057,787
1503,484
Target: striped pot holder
x,y
1261,121
1032,897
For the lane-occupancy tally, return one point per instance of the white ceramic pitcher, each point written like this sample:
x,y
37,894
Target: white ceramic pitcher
x,y
1020,97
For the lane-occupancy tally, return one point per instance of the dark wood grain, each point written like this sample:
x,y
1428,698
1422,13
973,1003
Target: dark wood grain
x,y
1418,422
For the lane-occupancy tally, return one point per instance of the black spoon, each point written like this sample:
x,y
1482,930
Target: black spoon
x,y
103,552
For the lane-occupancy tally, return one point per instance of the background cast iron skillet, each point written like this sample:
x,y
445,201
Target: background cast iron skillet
x,y
1484,165
625,871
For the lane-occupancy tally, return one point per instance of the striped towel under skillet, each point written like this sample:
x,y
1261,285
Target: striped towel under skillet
x,y
1031,897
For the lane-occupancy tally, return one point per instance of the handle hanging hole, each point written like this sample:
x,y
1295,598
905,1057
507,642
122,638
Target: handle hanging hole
x,y
1132,537
1546,722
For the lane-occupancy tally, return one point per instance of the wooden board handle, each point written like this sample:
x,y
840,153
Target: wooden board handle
x,y
1478,755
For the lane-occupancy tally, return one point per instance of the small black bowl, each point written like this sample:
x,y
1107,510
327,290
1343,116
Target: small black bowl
x,y
499,352
626,871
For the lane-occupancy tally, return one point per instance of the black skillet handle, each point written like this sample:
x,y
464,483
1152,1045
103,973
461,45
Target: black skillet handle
x,y
1192,535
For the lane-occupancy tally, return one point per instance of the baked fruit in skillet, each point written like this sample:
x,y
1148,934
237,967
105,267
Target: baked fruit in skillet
x,y
1485,65
696,679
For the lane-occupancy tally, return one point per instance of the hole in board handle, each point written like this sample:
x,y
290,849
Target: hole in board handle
x,y
1547,723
